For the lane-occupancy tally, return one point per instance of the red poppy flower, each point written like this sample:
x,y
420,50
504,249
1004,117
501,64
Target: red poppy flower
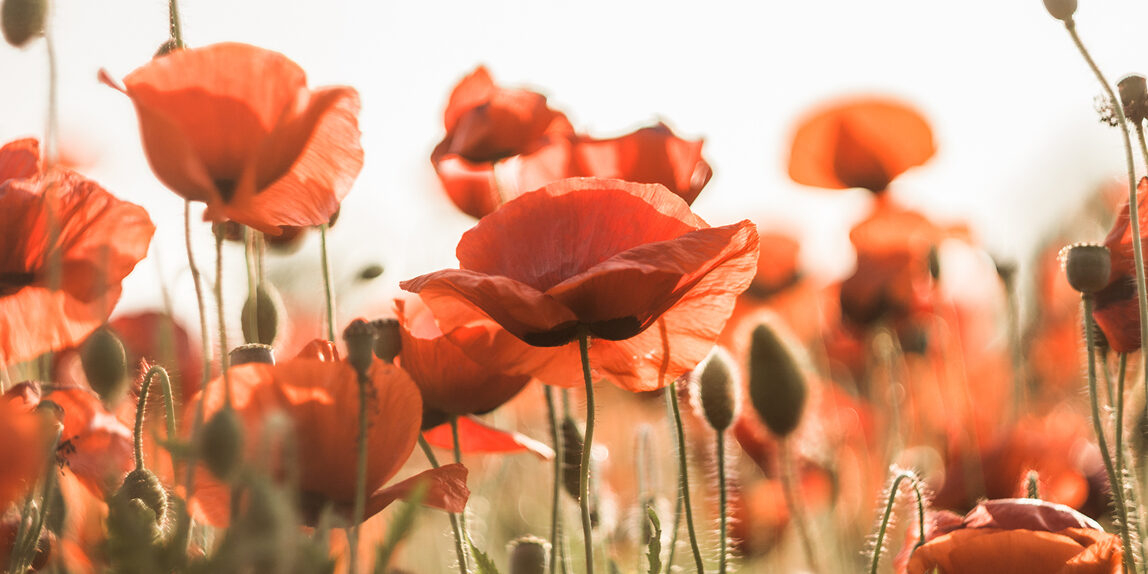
x,y
650,281
60,219
236,127
451,384
1117,309
1022,536
650,155
859,143
23,450
317,392
488,125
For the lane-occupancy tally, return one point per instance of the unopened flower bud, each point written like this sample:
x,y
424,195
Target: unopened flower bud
x,y
360,339
105,364
389,340
777,386
934,263
260,315
528,555
139,506
22,20
719,389
221,443
1087,266
571,457
252,353
1061,9
1134,97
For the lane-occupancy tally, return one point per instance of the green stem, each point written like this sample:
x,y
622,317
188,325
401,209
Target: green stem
x,y
24,551
457,446
1115,483
722,557
677,528
224,359
328,290
361,477
555,495
204,337
141,406
1119,438
51,132
176,29
879,543
458,544
587,445
796,508
671,393
251,320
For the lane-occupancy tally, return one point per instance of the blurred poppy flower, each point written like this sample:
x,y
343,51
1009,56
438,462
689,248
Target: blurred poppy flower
x,y
236,127
157,338
650,155
317,394
1021,536
627,263
477,437
23,450
488,125
451,384
859,143
61,219
1117,311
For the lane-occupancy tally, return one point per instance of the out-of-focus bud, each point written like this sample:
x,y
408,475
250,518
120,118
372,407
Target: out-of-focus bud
x,y
252,353
1134,97
571,456
1087,266
139,506
260,315
934,263
389,340
719,389
221,443
360,339
777,386
528,555
105,365
1061,9
22,20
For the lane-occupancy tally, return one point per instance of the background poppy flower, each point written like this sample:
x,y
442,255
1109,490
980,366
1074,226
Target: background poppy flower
x,y
487,124
236,127
61,219
651,282
650,155
1117,310
23,450
859,143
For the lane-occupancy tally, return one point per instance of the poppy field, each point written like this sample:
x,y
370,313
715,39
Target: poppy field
x,y
298,342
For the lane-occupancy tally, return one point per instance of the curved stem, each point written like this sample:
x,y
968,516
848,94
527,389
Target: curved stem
x,y
722,558
555,495
141,406
327,289
458,546
879,543
671,393
360,477
587,445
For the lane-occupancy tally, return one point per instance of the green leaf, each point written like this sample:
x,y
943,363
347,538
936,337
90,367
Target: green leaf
x,y
654,546
401,526
484,563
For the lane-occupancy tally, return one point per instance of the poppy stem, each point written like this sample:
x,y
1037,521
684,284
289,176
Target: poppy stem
x,y
204,336
51,131
1115,483
224,359
24,549
141,405
251,320
1032,485
327,289
671,393
795,505
458,546
555,498
723,557
677,529
879,540
458,459
360,478
587,445
176,29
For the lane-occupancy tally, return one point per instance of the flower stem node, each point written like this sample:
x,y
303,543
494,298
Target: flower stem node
x,y
23,20
1087,266
221,443
777,387
1134,97
719,389
528,555
1061,9
388,339
252,353
360,338
104,362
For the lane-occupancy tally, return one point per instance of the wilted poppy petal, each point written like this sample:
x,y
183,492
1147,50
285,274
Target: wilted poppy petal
x,y
447,490
650,155
477,437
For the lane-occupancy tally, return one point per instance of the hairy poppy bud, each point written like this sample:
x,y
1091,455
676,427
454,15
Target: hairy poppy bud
x,y
22,20
105,364
719,389
1087,266
777,387
139,506
528,555
389,340
221,443
252,353
260,315
1061,9
164,49
1134,97
360,339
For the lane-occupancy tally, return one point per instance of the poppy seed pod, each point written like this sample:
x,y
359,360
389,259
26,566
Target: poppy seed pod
x,y
252,353
528,555
221,443
777,387
22,20
719,389
260,315
104,362
360,339
1061,9
1134,97
1087,266
388,339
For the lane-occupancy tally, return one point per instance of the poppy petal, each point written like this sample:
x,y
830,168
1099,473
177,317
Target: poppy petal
x,y
650,155
20,159
447,490
475,436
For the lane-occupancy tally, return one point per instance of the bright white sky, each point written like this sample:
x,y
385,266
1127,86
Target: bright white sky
x,y
1009,98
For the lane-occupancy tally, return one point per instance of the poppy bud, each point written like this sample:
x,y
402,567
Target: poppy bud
x,y
221,443
777,387
528,555
571,457
389,340
360,339
372,271
164,49
260,315
1134,97
1061,9
139,506
1087,266
719,389
934,263
105,364
22,20
252,353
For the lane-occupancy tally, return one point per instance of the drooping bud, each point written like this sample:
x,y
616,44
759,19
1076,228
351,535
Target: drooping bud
x,y
105,364
389,340
1061,9
22,20
719,389
260,315
139,506
221,443
777,386
1087,266
528,555
252,353
1134,97
360,339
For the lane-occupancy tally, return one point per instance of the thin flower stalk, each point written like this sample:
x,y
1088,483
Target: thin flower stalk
x,y
587,446
671,393
459,546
